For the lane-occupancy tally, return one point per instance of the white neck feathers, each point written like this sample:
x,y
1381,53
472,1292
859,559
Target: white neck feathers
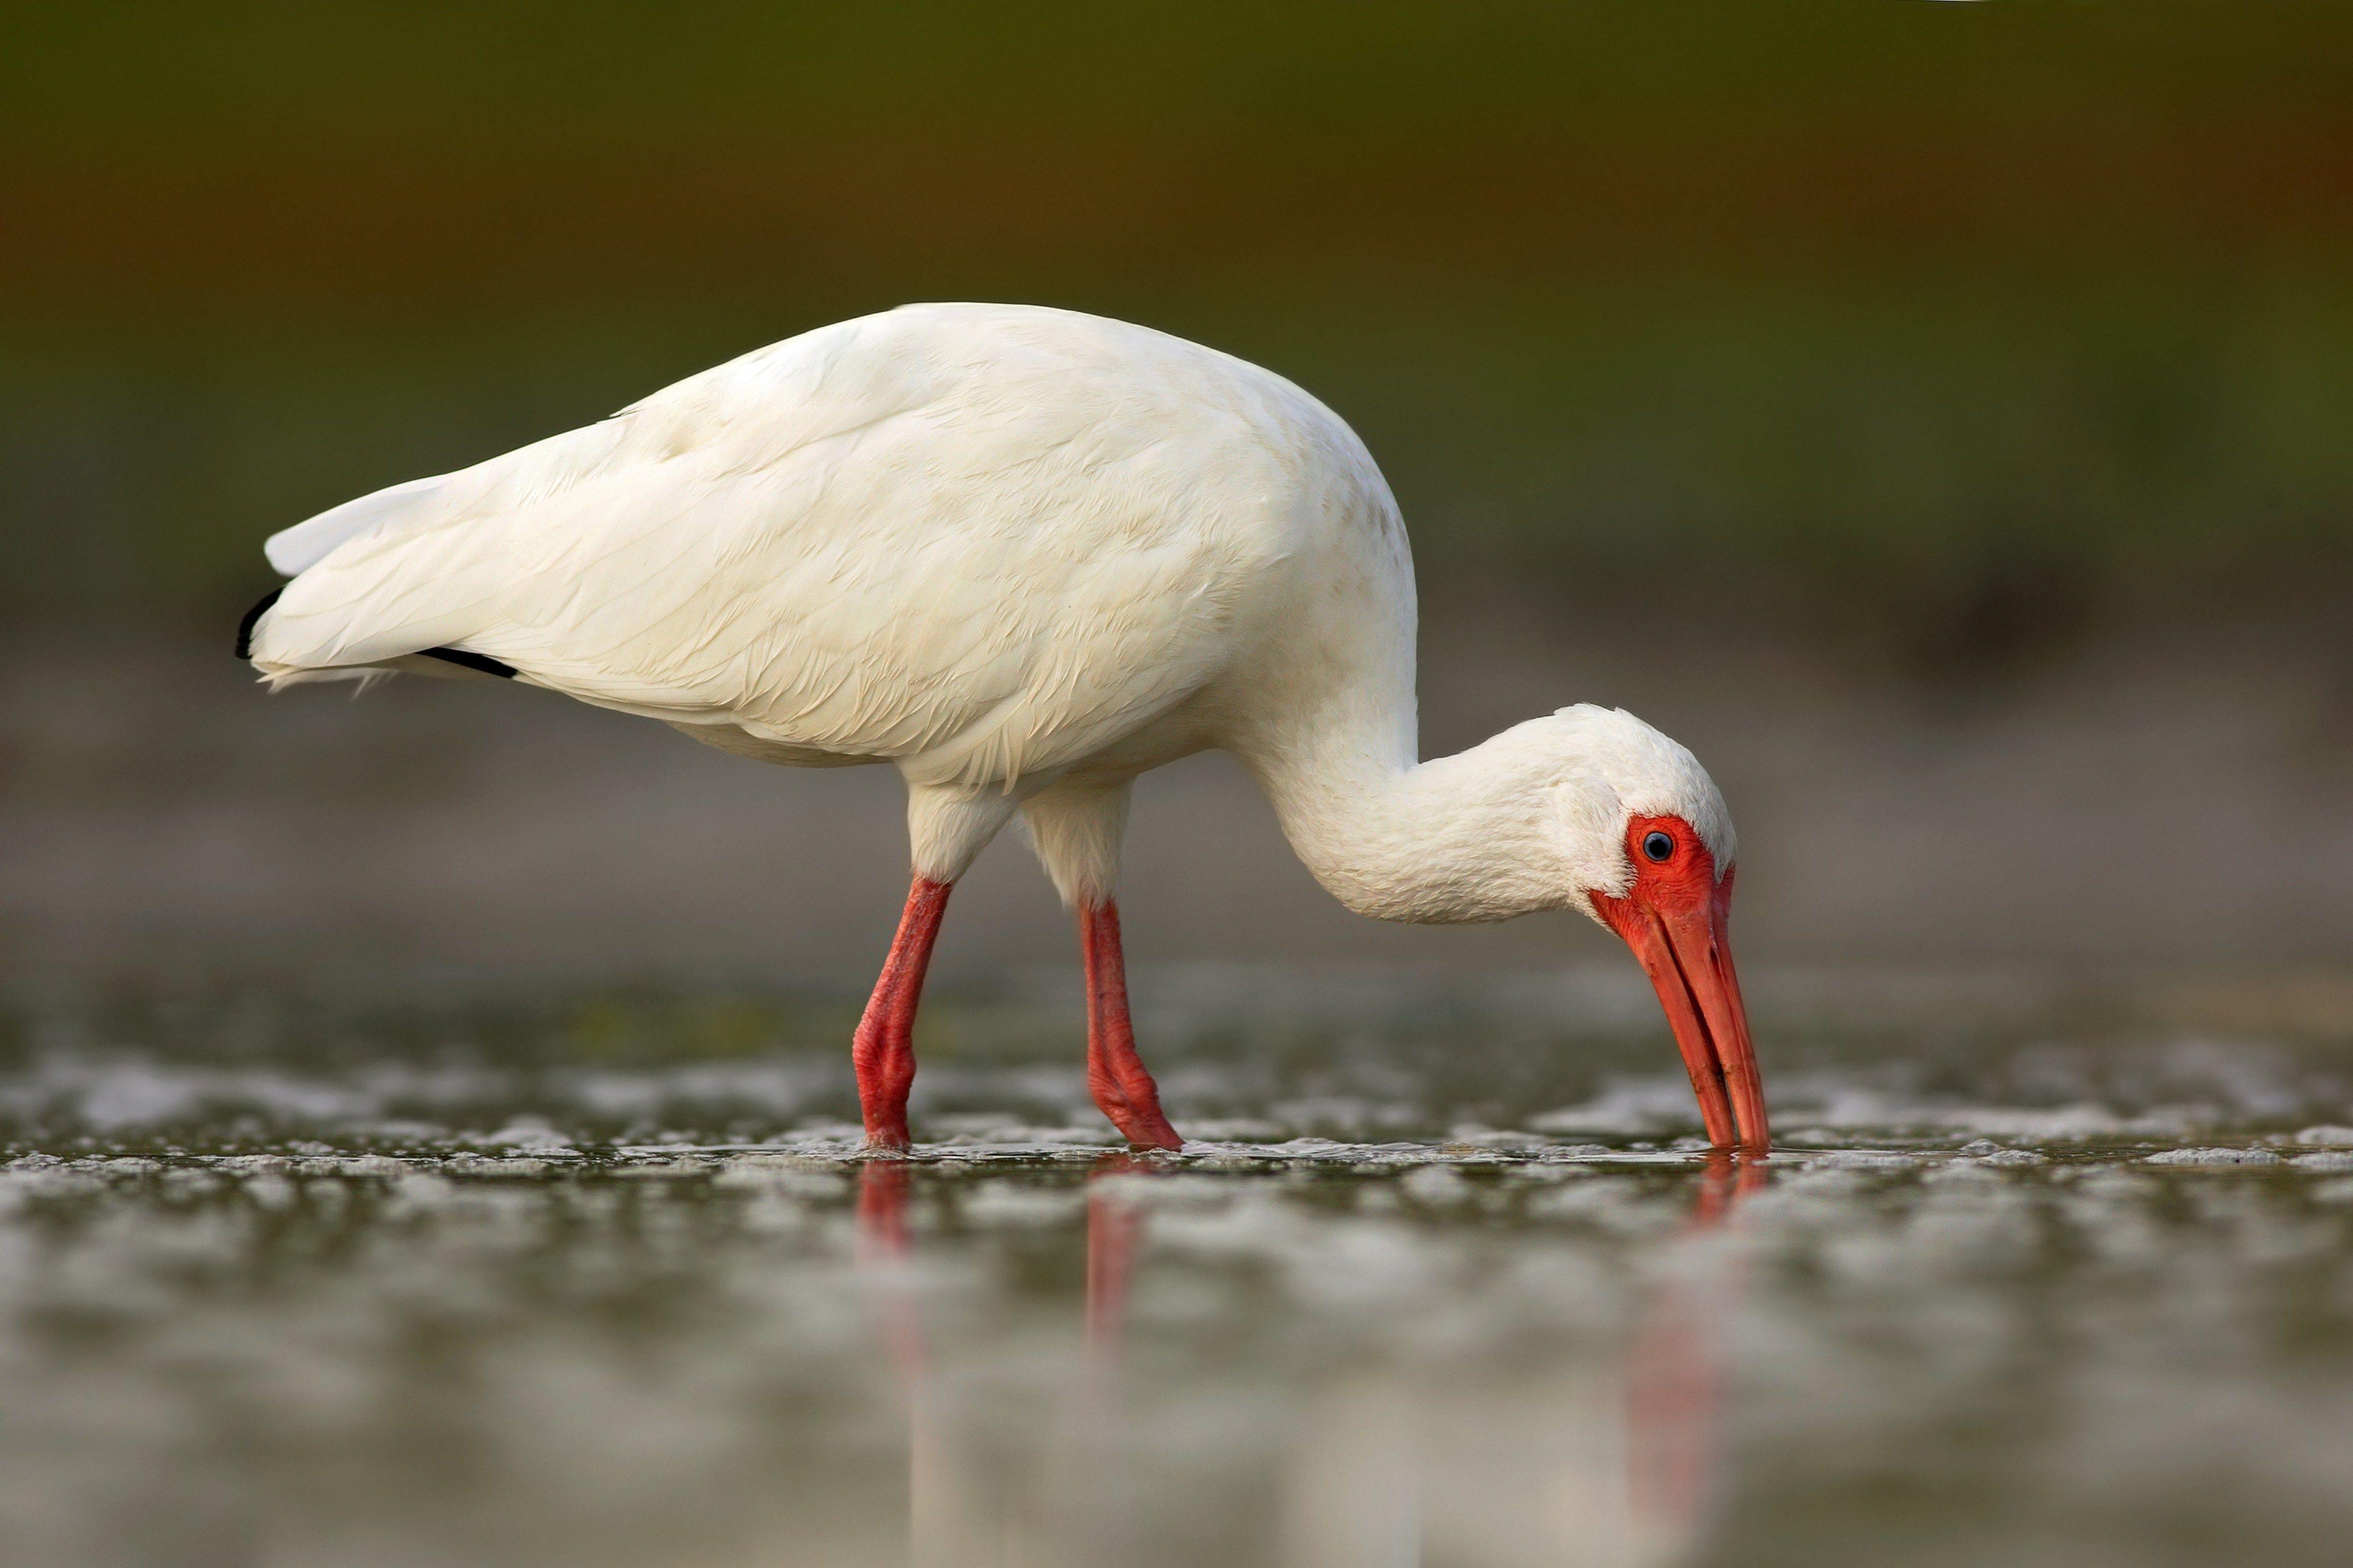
x,y
1533,818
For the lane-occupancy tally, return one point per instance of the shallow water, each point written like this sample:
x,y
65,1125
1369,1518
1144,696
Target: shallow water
x,y
607,1285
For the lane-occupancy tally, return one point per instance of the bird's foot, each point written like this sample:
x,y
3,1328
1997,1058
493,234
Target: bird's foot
x,y
1134,1109
1160,1136
1147,1129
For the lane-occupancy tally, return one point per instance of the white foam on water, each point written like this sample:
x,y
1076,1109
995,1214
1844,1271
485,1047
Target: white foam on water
x,y
1863,1160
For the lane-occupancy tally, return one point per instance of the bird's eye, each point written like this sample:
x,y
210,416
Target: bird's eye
x,y
1658,845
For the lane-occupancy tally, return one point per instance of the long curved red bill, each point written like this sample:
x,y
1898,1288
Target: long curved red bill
x,y
1687,953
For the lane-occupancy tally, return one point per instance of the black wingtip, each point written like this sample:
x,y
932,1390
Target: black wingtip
x,y
253,619
464,661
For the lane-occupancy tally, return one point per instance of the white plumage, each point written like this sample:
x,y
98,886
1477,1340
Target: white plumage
x,y
1020,554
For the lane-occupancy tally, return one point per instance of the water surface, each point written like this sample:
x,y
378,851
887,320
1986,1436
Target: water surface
x,y
485,1289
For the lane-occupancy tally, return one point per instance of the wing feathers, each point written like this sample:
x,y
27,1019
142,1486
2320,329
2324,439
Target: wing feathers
x,y
981,540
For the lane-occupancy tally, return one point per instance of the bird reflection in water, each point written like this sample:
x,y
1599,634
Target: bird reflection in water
x,y
954,1513
1677,1373
1623,1463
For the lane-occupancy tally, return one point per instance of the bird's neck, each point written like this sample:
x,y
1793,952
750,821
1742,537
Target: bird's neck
x,y
1450,839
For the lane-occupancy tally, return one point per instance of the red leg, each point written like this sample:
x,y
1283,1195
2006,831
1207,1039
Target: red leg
x,y
883,1049
1115,1072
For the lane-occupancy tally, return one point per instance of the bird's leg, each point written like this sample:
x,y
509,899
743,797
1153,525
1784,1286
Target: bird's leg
x,y
1115,1072
883,1049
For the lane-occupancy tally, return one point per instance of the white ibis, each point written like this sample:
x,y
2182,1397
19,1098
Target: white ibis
x,y
1024,555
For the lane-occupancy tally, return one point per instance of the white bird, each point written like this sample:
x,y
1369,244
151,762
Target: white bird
x,y
1024,555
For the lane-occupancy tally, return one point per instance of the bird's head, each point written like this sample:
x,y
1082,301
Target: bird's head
x,y
1649,852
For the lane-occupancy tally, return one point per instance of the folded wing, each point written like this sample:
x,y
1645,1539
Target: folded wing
x,y
849,542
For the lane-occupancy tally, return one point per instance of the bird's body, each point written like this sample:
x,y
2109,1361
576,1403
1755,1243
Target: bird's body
x,y
1001,549
1023,555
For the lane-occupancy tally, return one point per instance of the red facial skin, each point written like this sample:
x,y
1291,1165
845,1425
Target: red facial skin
x,y
1676,918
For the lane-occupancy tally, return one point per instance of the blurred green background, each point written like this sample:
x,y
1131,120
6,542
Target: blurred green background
x,y
1937,414
1939,336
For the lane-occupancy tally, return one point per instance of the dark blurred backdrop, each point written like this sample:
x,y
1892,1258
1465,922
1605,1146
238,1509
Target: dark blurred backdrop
x,y
1939,414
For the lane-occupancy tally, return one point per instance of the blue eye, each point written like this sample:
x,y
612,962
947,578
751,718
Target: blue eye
x,y
1658,845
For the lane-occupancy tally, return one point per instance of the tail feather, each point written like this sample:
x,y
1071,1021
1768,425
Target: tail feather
x,y
462,657
402,574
